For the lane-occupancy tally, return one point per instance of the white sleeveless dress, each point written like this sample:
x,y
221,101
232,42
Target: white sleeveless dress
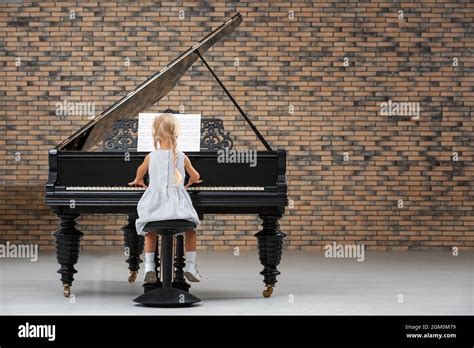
x,y
164,199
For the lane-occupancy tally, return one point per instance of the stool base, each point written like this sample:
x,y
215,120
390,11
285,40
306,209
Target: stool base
x,y
177,285
167,297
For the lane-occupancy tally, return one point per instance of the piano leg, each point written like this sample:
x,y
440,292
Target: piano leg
x,y
68,240
270,243
133,247
179,282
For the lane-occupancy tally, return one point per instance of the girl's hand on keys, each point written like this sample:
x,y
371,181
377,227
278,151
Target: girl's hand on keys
x,y
192,182
137,182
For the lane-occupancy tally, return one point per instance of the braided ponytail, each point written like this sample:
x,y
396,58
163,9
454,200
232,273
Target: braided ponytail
x,y
177,175
166,127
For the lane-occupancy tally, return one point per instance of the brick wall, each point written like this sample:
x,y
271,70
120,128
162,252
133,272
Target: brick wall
x,y
313,80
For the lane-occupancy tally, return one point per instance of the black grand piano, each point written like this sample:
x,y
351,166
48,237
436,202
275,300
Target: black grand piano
x,y
89,172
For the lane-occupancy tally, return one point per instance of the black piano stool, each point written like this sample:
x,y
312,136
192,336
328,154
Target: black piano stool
x,y
167,295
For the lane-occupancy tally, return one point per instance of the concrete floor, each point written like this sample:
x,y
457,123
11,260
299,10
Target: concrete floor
x,y
431,282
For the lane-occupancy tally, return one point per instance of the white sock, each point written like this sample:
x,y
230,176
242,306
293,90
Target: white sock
x,y
149,262
191,257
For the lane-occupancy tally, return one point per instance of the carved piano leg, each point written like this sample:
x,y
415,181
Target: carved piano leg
x,y
68,240
179,282
133,247
270,243
157,264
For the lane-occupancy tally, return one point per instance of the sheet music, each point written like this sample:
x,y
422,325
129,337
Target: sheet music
x,y
189,140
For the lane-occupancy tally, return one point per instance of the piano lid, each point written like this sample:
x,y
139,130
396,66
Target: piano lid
x,y
147,93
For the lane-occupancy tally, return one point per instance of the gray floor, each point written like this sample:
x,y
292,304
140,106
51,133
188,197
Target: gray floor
x,y
430,282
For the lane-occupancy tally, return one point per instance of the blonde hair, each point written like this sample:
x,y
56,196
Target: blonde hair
x,y
166,127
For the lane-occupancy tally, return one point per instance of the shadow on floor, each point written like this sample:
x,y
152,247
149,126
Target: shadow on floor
x,y
120,288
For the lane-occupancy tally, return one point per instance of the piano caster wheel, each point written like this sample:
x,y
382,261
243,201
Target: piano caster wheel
x,y
67,290
268,291
132,277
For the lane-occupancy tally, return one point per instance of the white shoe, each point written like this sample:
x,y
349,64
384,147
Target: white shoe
x,y
191,273
150,277
150,274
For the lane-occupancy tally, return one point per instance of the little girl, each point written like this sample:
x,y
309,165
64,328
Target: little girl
x,y
166,197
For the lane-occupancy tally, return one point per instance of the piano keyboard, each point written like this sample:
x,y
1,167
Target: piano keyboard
x,y
192,188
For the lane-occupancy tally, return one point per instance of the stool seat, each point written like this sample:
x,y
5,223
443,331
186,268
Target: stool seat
x,y
169,227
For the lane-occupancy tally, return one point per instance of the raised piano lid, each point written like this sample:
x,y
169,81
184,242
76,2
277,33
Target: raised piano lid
x,y
147,93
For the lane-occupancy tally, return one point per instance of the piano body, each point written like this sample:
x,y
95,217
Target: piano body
x,y
83,181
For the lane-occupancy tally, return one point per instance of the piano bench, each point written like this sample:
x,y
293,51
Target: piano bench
x,y
167,295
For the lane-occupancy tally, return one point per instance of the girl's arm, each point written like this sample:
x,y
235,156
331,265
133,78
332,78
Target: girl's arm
x,y
141,171
193,173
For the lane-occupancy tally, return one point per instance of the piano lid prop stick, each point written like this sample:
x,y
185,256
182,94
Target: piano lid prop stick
x,y
257,133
